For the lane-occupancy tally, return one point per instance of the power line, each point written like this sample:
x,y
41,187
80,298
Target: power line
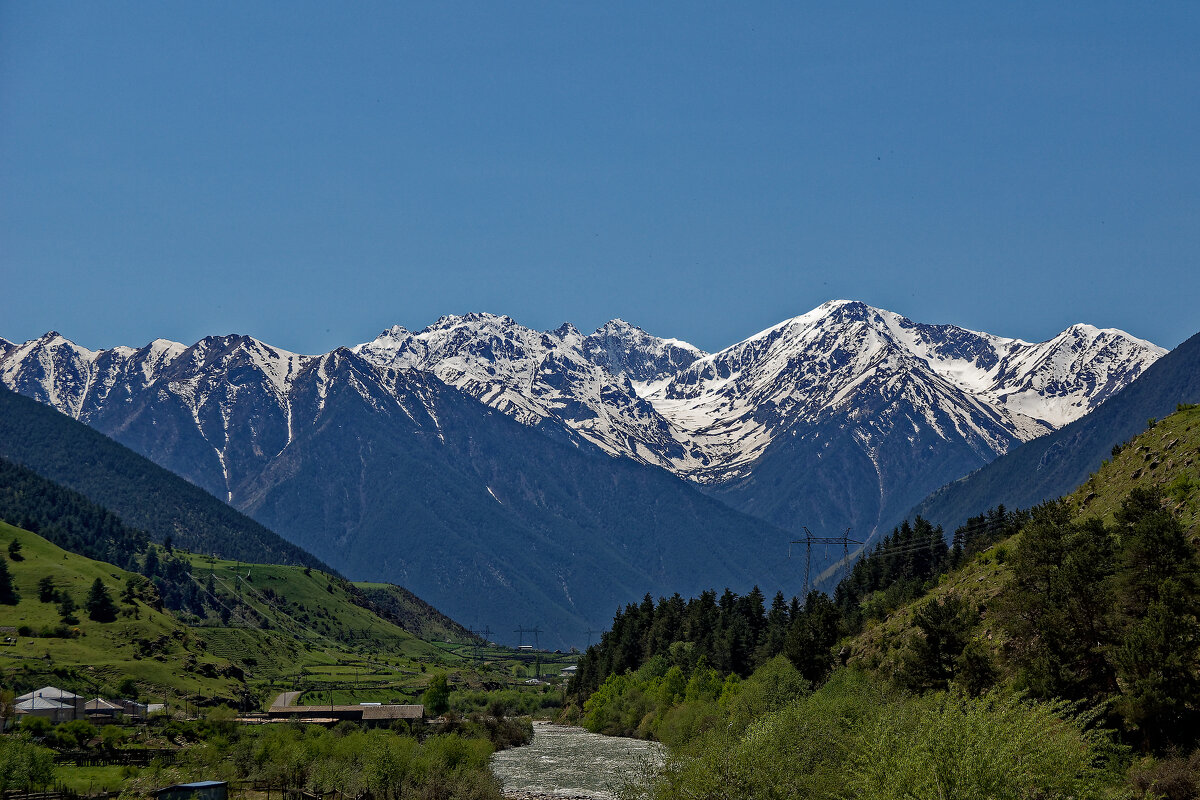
x,y
809,540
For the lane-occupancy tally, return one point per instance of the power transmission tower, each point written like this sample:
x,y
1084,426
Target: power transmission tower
x,y
523,630
590,632
485,635
809,540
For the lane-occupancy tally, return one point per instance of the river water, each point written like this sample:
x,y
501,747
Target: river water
x,y
568,762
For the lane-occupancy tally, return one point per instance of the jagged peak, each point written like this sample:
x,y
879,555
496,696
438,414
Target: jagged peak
x,y
55,339
452,320
617,325
565,330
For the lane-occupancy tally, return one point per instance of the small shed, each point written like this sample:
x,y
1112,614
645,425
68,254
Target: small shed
x,y
200,790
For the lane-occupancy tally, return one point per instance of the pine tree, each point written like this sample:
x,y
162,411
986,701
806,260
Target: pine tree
x,y
100,606
66,608
1057,607
46,591
1157,589
933,655
8,591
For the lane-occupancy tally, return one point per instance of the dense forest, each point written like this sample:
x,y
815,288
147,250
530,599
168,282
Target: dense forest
x,y
73,522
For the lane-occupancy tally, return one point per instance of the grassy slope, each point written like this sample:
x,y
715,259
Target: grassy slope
x,y
102,653
413,613
309,612
1166,456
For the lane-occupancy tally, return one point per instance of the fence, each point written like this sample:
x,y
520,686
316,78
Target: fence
x,y
121,758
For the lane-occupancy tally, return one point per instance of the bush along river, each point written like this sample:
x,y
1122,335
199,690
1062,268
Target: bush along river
x,y
567,762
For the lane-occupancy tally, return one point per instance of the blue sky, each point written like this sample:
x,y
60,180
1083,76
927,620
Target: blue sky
x,y
312,173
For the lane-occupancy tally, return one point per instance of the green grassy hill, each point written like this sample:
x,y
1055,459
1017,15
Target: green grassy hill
x,y
412,613
1165,456
292,628
164,657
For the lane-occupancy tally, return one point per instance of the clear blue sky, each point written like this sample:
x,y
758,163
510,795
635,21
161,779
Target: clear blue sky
x,y
311,173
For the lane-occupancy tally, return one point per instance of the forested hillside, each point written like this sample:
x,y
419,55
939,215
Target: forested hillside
x,y
144,495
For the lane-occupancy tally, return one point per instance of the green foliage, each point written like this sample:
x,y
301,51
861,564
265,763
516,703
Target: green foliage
x,y
8,590
1056,607
24,765
37,727
1111,612
14,550
437,696
73,734
943,630
772,687
995,747
856,737
67,608
47,593
346,759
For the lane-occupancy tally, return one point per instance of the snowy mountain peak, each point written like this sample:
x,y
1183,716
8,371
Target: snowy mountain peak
x,y
708,417
566,330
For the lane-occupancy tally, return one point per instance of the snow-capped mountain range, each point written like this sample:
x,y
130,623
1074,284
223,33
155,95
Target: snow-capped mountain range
x,y
843,417
663,402
708,417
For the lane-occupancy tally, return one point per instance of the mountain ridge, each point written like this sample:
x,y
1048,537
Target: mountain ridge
x,y
451,459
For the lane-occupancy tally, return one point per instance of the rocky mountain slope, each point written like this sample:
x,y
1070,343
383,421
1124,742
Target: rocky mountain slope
x,y
1055,464
393,475
455,458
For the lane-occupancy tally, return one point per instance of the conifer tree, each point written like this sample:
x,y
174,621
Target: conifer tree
x,y
8,590
100,606
46,591
1158,593
66,608
933,655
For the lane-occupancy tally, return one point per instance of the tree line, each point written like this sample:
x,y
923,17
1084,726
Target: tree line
x,y
735,634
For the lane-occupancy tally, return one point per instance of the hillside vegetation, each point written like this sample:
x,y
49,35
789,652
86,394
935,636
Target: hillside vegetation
x,y
1053,652
261,629
1165,457
144,495
144,643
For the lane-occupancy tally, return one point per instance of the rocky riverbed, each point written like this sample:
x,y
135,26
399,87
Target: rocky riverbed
x,y
567,763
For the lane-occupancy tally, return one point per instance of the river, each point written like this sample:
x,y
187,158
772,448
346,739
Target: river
x,y
567,762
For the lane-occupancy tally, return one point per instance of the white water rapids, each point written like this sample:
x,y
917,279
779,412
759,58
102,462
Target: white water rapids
x,y
565,762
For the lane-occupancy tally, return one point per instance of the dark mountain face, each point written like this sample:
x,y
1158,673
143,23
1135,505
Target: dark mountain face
x,y
391,475
503,472
143,494
1055,464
